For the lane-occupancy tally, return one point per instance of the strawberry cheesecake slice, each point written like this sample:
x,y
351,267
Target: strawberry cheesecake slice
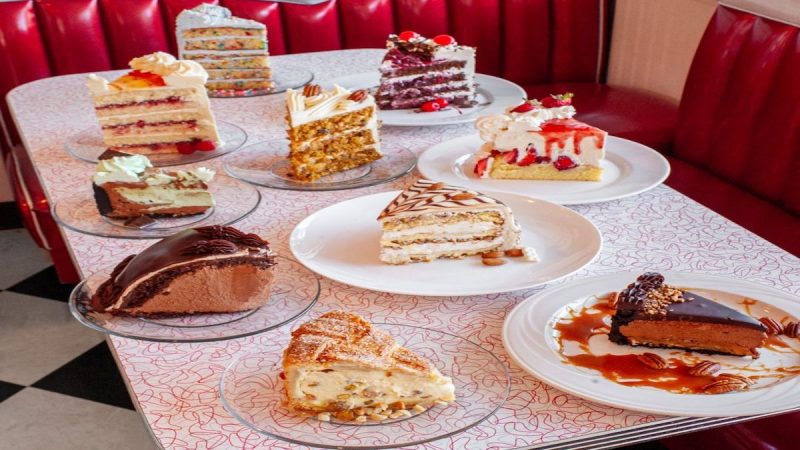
x,y
540,140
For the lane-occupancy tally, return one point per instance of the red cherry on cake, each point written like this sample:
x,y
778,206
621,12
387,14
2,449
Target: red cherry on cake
x,y
523,108
430,106
444,39
185,148
205,146
564,163
408,35
443,103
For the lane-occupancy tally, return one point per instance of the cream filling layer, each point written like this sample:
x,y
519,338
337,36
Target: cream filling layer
x,y
164,197
436,248
462,228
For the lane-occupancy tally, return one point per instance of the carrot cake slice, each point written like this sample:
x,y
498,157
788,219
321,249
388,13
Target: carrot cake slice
x,y
330,131
233,50
160,106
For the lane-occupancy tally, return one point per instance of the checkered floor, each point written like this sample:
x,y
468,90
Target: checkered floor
x,y
59,385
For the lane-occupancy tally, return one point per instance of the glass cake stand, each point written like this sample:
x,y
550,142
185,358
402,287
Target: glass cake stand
x,y
294,291
266,164
88,146
284,77
251,389
233,199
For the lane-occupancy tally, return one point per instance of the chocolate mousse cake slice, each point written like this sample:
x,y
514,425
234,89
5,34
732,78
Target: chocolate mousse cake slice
x,y
654,314
212,269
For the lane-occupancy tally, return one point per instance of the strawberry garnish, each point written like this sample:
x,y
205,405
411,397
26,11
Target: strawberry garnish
x,y
564,163
529,159
152,79
542,159
185,148
431,106
554,101
510,157
523,108
408,35
444,39
205,146
480,166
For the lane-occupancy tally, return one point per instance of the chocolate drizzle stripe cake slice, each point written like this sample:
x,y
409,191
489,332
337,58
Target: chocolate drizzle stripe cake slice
x,y
434,220
211,269
652,313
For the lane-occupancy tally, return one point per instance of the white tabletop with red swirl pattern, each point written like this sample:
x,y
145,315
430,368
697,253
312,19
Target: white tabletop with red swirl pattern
x,y
175,385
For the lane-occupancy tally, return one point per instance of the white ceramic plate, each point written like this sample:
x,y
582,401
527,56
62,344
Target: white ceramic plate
x,y
630,168
342,242
494,95
530,340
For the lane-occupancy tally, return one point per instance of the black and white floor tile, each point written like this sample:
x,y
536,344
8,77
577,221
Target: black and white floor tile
x,y
59,385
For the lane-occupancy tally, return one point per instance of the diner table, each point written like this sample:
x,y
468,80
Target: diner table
x,y
175,385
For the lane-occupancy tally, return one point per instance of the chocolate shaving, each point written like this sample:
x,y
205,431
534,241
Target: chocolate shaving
x,y
212,247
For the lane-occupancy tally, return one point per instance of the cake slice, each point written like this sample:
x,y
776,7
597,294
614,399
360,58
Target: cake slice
x,y
434,220
160,106
540,140
330,131
417,70
233,50
654,314
340,362
127,187
212,269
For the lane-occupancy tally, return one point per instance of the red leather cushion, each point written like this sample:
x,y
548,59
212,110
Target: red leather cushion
x,y
134,29
622,112
577,37
739,116
478,23
426,17
527,31
366,23
312,28
757,215
268,13
171,10
74,35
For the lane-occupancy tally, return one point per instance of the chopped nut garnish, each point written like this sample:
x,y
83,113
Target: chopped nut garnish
x,y
705,368
441,403
310,396
350,387
495,254
324,417
361,419
652,361
772,325
343,396
377,417
418,409
493,261
345,415
658,300
397,405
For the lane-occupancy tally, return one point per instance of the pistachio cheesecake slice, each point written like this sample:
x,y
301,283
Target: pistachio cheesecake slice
x,y
340,362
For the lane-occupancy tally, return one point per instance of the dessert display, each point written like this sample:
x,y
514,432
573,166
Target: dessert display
x,y
233,50
417,70
160,106
540,140
434,220
654,314
213,269
340,364
330,131
127,187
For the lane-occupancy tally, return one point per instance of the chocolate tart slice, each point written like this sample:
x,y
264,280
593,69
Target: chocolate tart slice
x,y
651,313
212,269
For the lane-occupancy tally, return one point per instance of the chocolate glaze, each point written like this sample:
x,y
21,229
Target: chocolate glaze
x,y
171,251
696,308
102,200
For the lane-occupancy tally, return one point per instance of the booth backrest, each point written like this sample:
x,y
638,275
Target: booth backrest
x,y
527,41
739,116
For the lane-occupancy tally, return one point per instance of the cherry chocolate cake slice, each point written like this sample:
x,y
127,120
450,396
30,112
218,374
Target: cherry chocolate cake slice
x,y
211,269
653,314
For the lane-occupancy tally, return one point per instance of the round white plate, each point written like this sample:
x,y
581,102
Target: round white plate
x,y
342,242
629,168
530,340
494,95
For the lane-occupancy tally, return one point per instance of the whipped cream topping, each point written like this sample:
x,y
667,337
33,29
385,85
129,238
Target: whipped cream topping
x,y
174,72
211,16
134,169
492,127
304,109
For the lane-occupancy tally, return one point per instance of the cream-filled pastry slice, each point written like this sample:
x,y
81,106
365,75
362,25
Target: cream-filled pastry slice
x,y
340,362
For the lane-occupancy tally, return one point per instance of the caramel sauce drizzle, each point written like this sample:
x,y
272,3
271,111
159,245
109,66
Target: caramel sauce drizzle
x,y
627,370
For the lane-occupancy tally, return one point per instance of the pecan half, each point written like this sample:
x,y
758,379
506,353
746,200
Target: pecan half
x,y
739,378
493,261
310,90
772,325
724,385
358,96
792,329
514,252
652,361
495,254
704,369
462,196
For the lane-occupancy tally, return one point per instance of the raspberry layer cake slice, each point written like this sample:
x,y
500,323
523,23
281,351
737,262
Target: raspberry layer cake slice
x,y
654,314
211,269
127,187
340,363
233,50
417,70
540,140
160,106
330,131
434,220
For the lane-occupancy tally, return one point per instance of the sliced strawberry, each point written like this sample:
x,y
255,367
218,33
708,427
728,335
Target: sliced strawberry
x,y
529,159
523,108
542,159
480,166
185,148
510,156
205,146
408,35
496,152
564,163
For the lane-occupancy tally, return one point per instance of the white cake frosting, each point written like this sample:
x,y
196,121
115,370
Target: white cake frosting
x,y
329,103
132,169
212,16
175,73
